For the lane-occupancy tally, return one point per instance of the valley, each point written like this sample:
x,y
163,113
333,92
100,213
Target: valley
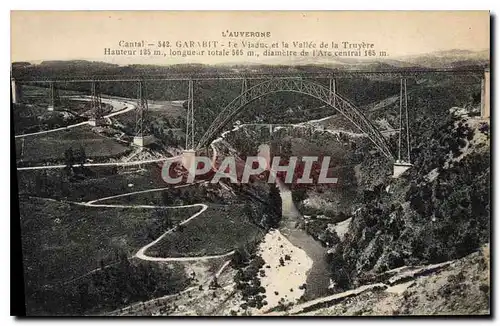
x,y
104,234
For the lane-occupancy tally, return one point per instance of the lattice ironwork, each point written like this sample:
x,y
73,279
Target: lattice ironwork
x,y
302,86
333,90
96,103
142,109
190,118
54,95
404,126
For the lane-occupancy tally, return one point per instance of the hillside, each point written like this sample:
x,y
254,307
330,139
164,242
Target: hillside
x,y
439,210
459,287
382,245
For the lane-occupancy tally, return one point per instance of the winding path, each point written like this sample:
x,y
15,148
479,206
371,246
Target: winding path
x,y
141,254
62,166
116,103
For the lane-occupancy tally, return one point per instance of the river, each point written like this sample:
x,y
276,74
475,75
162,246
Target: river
x,y
318,278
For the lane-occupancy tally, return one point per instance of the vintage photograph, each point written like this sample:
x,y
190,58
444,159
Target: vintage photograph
x,y
252,163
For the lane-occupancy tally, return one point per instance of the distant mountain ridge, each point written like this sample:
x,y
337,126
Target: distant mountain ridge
x,y
439,59
449,58
63,63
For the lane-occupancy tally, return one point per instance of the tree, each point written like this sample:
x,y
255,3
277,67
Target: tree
x,y
180,227
248,211
163,217
240,257
165,198
213,284
275,204
287,148
80,157
170,137
299,194
69,161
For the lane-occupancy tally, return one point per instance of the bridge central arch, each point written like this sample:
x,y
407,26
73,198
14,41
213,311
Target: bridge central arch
x,y
301,86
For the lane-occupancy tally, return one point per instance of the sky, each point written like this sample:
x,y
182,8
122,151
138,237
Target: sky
x,y
70,35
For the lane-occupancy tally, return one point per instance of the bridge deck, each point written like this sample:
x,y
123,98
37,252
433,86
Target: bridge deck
x,y
244,75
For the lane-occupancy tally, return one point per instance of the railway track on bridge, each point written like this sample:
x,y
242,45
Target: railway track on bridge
x,y
199,76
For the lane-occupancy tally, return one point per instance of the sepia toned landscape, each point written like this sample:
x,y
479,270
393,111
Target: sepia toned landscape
x,y
404,231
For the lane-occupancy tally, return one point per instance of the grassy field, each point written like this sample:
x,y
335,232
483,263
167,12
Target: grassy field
x,y
184,195
164,119
34,118
80,107
167,108
64,241
99,182
51,146
32,93
220,229
116,286
163,110
32,115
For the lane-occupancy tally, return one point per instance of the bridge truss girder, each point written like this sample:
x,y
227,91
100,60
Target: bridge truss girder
x,y
301,86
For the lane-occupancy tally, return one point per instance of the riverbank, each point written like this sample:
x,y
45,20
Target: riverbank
x,y
284,272
318,279
317,276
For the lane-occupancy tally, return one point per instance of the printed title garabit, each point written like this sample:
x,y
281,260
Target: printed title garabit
x,y
229,33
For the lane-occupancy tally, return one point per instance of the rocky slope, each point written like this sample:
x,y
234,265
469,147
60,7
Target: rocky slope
x,y
458,287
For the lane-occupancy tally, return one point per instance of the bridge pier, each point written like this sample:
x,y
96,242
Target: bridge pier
x,y
96,122
97,118
143,140
399,168
139,141
485,94
333,91
52,103
15,91
190,116
140,118
188,160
